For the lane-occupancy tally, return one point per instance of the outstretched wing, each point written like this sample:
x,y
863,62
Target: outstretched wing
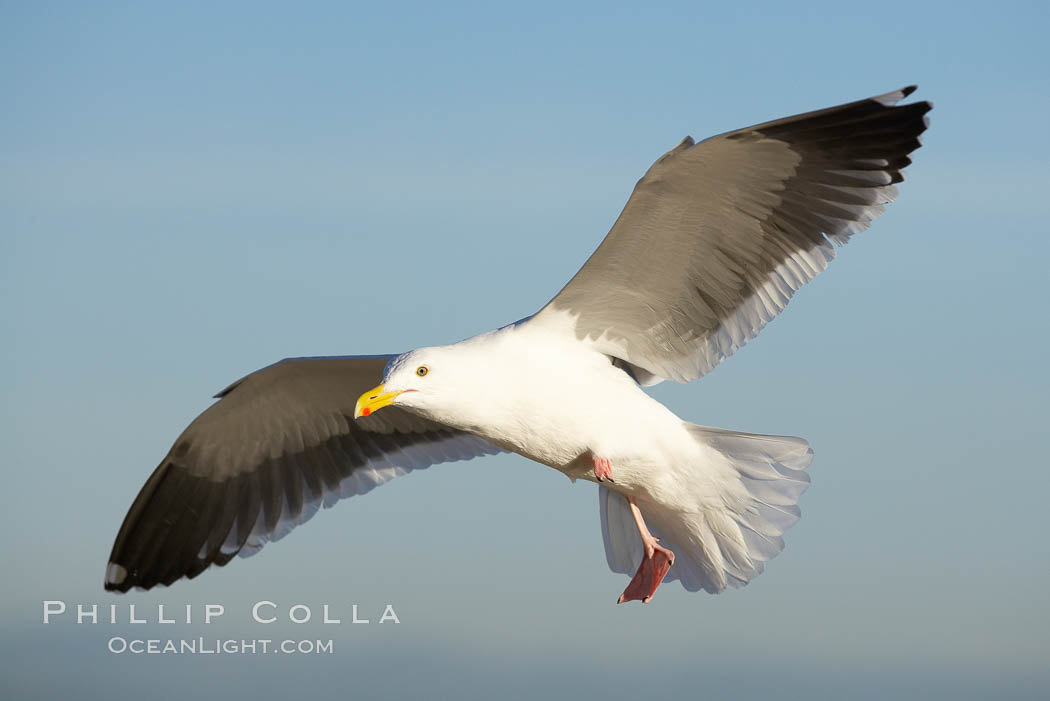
x,y
276,446
717,236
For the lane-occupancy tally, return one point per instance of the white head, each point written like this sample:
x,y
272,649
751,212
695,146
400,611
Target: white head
x,y
432,382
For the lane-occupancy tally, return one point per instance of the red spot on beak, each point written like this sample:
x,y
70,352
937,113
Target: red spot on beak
x,y
366,411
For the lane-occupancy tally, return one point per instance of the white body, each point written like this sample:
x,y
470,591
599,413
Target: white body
x,y
535,390
578,405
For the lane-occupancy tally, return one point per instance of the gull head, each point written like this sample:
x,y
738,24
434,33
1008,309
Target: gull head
x,y
426,381
486,384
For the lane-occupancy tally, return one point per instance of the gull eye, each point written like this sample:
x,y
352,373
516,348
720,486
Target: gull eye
x,y
422,370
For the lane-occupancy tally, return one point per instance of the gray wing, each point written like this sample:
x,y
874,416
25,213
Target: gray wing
x,y
717,236
277,445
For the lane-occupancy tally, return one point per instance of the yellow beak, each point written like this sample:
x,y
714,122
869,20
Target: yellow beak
x,y
374,400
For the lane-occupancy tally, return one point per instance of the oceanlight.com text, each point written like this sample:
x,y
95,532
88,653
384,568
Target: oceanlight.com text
x,y
214,646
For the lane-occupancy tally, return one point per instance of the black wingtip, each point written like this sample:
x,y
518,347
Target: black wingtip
x,y
909,90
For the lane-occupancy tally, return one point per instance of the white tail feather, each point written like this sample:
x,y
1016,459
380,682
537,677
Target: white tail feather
x,y
719,547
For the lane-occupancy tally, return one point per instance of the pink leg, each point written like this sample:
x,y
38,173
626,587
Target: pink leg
x,y
655,564
602,469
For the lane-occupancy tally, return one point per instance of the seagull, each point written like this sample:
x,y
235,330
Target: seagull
x,y
713,242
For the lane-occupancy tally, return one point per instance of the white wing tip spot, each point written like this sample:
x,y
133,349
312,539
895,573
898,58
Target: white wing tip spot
x,y
116,574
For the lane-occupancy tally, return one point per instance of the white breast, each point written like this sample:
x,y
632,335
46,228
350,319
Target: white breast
x,y
556,401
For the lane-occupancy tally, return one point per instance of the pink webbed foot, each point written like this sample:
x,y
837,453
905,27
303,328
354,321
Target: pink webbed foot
x,y
655,565
602,469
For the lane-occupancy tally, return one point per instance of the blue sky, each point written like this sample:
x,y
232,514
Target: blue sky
x,y
190,192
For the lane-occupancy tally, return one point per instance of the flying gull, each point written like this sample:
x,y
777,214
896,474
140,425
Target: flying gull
x,y
713,242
